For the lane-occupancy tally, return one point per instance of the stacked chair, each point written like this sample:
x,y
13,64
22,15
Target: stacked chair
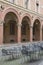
x,y
31,52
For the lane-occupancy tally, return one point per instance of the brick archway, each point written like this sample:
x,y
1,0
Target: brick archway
x,y
26,23
9,9
13,14
24,15
36,18
36,30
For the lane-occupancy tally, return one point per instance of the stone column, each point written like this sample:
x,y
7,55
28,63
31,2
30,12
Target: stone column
x,y
1,32
19,33
31,33
41,33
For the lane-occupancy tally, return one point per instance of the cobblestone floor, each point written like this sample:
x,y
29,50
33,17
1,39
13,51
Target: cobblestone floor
x,y
33,63
17,62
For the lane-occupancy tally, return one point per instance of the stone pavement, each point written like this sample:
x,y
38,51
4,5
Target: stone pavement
x,y
34,63
17,62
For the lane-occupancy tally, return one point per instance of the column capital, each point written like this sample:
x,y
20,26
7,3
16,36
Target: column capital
x,y
31,26
1,22
19,24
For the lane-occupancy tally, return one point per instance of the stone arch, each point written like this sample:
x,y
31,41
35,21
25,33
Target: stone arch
x,y
36,30
25,29
9,9
14,19
35,19
26,15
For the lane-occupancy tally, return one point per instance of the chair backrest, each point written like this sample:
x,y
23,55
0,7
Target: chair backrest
x,y
4,52
24,50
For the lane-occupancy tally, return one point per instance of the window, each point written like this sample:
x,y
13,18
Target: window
x,y
24,29
26,3
12,28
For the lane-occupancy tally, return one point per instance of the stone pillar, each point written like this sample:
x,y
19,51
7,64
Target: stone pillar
x,y
1,32
31,33
41,33
19,33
